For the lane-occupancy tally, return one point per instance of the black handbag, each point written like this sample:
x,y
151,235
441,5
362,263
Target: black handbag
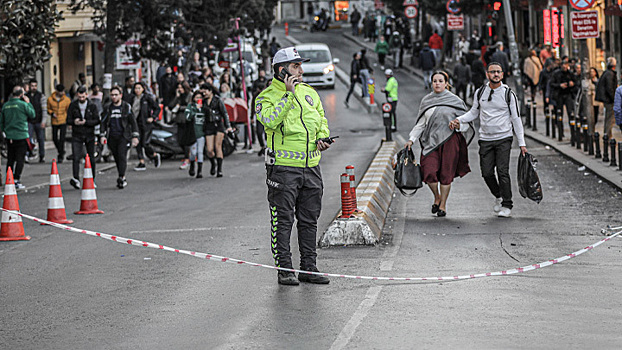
x,y
407,172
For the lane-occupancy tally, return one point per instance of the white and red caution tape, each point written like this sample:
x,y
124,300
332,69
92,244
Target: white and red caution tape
x,y
213,257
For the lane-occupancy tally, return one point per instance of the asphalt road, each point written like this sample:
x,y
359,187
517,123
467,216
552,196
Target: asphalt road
x,y
64,290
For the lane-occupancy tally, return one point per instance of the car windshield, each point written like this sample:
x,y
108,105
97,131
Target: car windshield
x,y
315,56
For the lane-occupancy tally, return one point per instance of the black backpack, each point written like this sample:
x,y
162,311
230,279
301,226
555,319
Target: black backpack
x,y
508,97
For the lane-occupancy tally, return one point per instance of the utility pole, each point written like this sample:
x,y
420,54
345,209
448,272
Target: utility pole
x,y
248,118
518,88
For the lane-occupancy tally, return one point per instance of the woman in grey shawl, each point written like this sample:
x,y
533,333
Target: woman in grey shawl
x,y
444,153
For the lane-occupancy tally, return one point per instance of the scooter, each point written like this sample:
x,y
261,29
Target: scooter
x,y
319,24
164,141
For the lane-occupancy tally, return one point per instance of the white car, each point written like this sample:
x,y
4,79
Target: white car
x,y
320,70
233,57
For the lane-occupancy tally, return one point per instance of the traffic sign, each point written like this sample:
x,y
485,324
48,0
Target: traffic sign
x,y
581,4
410,12
452,7
455,22
386,107
584,24
410,3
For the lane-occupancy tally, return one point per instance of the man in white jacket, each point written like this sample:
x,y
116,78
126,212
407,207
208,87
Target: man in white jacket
x,y
497,109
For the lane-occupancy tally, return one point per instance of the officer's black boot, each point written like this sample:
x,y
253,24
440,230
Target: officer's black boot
x,y
191,169
219,171
287,278
212,170
317,279
199,170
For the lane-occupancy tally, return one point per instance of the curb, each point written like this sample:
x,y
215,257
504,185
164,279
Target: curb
x,y
374,196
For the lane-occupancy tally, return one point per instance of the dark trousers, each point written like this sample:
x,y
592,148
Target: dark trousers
x,y
352,85
144,144
394,114
496,154
77,149
294,193
381,57
36,132
118,147
16,154
58,136
461,90
568,101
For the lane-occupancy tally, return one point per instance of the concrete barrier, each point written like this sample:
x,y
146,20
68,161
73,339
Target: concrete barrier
x,y
374,194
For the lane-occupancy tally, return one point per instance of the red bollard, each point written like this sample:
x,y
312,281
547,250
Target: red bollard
x,y
286,28
346,201
350,172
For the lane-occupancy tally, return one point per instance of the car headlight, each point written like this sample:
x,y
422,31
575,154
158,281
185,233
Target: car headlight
x,y
329,68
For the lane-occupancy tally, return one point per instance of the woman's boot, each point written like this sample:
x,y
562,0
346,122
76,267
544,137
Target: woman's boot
x,y
199,170
219,172
191,169
212,170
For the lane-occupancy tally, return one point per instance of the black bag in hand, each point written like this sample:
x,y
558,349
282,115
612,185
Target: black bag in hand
x,y
407,172
528,181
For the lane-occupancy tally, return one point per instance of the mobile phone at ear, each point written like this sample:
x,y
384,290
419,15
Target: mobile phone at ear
x,y
284,74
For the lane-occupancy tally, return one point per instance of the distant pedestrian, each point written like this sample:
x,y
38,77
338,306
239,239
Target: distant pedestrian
x,y
605,93
396,45
128,89
355,68
462,77
366,72
83,116
593,77
427,62
216,125
563,85
546,53
196,119
390,89
97,97
532,68
501,57
57,105
146,110
355,18
73,90
14,119
185,129
436,45
497,122
382,49
478,73
119,128
36,127
617,107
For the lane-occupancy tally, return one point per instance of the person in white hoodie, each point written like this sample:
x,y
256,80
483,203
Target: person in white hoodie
x,y
497,109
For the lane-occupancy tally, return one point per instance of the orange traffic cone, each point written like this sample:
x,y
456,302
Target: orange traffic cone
x,y
56,204
12,227
88,205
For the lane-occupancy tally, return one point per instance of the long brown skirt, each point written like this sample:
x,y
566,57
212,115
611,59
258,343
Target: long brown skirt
x,y
448,161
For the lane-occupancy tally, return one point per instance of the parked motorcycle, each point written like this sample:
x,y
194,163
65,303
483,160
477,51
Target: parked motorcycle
x,y
164,141
319,24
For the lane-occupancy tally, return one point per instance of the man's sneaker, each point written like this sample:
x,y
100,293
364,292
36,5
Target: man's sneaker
x,y
19,186
497,206
157,161
504,212
317,279
140,167
121,183
75,183
288,278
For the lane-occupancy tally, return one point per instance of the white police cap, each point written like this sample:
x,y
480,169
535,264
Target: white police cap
x,y
288,54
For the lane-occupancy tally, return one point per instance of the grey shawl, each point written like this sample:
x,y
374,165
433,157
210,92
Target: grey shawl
x,y
447,108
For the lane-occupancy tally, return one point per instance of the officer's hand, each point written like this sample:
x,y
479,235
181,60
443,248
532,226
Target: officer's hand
x,y
134,141
323,146
290,83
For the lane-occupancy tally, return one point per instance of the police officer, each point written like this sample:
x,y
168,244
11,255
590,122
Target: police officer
x,y
293,117
390,89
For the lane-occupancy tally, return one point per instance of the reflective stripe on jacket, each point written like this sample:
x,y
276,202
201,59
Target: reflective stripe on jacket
x,y
293,122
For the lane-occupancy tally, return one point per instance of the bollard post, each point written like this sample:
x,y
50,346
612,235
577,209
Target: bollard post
x,y
371,88
612,144
286,29
553,123
386,118
605,148
560,126
577,134
547,121
586,138
350,172
620,155
534,107
528,118
572,134
346,203
597,145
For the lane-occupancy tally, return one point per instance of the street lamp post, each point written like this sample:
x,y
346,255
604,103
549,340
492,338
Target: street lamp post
x,y
248,118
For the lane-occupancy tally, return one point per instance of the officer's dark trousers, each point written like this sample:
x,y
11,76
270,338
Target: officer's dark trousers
x,y
294,193
496,154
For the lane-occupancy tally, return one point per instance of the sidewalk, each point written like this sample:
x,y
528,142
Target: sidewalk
x,y
608,173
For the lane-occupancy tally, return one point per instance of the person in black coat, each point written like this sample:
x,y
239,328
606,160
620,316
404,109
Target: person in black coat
x,y
563,84
605,93
82,115
36,127
478,73
146,110
427,62
355,68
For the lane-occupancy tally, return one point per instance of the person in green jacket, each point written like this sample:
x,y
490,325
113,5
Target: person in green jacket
x,y
390,89
382,49
14,123
293,117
